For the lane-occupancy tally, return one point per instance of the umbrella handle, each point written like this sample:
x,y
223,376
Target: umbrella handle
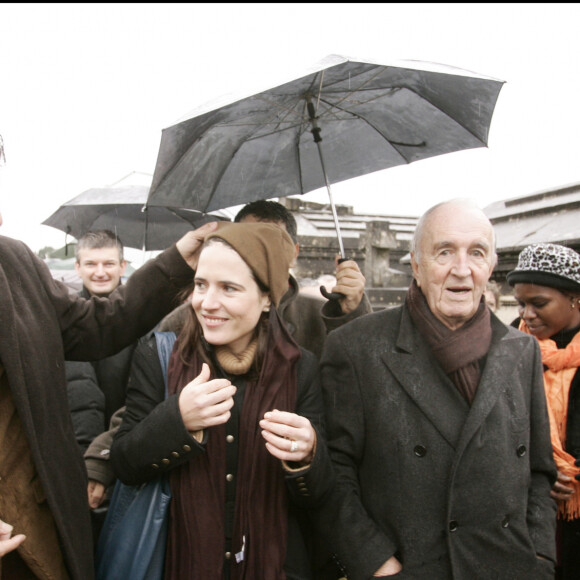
x,y
332,295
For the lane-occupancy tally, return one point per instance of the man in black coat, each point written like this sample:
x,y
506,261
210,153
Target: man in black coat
x,y
437,425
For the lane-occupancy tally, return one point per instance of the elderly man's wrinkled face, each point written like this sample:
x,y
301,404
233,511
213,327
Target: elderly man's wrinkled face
x,y
455,260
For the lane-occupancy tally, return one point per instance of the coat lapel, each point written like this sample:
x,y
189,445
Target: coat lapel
x,y
494,380
414,367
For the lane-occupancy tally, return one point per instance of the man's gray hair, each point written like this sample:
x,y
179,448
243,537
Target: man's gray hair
x,y
420,228
99,239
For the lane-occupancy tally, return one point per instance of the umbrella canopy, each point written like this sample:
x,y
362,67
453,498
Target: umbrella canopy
x,y
123,210
363,116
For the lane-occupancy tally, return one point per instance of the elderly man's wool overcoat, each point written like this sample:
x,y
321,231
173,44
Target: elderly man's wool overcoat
x,y
452,490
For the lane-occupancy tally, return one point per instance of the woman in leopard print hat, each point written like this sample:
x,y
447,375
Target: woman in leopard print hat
x,y
546,285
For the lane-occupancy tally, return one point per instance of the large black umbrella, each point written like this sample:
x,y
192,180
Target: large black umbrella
x,y
342,119
123,210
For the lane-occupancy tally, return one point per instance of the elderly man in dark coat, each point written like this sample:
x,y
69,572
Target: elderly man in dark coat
x,y
437,425
42,476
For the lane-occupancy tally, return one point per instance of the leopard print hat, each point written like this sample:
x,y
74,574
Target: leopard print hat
x,y
547,265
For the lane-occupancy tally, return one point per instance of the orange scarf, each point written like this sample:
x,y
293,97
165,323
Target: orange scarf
x,y
562,365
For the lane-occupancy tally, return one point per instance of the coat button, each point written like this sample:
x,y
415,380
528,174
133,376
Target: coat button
x,y
165,461
228,555
229,477
420,451
453,525
174,454
230,438
186,448
155,466
521,450
505,522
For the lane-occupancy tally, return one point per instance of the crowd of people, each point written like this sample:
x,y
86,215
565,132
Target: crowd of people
x,y
301,439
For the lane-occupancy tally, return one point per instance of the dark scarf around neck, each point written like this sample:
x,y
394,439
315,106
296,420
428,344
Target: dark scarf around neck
x,y
196,543
457,351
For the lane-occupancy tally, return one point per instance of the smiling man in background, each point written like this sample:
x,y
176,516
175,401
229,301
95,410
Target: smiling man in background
x,y
101,265
99,262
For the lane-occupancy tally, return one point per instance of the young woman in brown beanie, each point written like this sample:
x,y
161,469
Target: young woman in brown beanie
x,y
546,285
240,434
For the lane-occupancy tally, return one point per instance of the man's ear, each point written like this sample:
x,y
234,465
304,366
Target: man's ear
x,y
415,268
296,252
123,267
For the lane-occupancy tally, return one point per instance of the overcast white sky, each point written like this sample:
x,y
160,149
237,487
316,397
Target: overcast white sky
x,y
85,90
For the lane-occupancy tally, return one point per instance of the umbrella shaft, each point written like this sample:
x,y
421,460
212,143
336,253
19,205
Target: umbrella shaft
x,y
317,139
332,206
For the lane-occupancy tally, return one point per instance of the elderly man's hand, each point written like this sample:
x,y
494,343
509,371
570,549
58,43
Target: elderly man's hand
x,y
189,246
391,567
351,283
7,544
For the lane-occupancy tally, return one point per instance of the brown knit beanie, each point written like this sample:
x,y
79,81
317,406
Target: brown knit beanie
x,y
267,249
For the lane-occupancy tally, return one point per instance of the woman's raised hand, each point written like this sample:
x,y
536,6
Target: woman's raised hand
x,y
204,402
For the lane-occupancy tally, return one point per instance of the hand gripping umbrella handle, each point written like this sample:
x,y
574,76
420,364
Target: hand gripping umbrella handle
x,y
332,295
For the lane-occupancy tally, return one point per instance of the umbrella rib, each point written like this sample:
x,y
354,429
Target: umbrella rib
x,y
438,107
330,112
358,116
225,168
358,102
353,91
379,70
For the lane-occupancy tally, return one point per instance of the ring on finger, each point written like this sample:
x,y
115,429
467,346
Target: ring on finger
x,y
293,446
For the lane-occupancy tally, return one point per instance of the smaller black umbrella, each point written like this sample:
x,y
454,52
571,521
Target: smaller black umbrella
x,y
123,210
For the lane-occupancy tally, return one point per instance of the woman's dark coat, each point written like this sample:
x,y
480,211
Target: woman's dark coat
x,y
42,324
452,491
153,440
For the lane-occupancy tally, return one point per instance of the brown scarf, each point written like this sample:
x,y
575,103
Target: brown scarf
x,y
196,544
457,351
